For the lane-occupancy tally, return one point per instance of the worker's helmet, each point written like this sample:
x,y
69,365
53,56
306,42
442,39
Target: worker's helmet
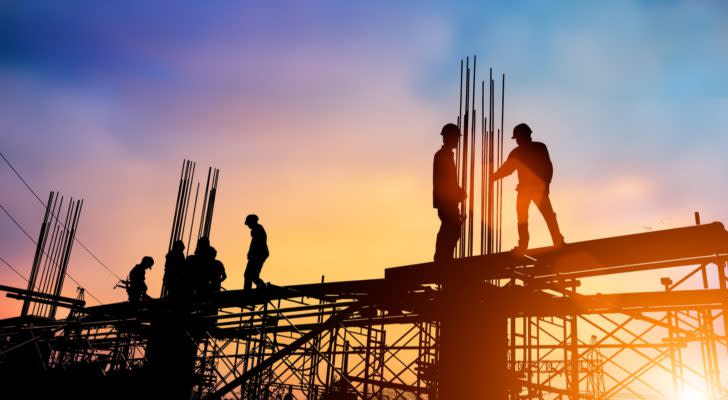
x,y
178,245
147,261
251,219
203,241
450,129
521,130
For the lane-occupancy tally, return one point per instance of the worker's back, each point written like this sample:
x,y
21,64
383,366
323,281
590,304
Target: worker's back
x,y
259,243
445,188
533,165
137,275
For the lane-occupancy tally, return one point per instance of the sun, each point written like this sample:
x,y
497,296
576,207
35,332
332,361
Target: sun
x,y
690,393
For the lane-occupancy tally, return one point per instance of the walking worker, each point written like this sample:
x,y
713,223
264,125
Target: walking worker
x,y
257,253
137,286
531,160
447,194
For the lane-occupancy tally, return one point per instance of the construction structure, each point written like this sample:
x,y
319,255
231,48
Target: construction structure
x,y
488,325
491,326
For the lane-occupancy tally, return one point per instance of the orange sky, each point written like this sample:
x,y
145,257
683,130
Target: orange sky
x,y
326,128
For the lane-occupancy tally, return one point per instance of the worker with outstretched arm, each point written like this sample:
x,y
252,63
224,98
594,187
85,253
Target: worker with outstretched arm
x,y
532,162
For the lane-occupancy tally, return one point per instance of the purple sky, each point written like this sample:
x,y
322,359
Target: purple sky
x,y
323,120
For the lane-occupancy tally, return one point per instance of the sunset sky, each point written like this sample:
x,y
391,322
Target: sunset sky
x,y
323,118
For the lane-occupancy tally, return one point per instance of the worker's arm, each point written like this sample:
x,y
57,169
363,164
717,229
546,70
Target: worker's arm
x,y
506,169
549,166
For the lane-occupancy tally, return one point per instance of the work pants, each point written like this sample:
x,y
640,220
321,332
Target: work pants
x,y
252,274
540,197
449,233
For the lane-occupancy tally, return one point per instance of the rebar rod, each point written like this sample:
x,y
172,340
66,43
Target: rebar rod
x,y
471,191
176,204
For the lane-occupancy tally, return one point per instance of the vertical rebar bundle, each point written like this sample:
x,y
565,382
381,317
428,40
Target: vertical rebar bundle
x,y
50,261
180,220
208,203
491,158
186,179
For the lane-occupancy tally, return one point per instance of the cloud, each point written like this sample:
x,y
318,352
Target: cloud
x,y
327,117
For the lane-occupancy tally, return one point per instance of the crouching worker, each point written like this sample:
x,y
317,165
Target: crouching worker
x,y
136,286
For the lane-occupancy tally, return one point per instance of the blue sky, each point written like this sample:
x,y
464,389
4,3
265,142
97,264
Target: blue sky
x,y
319,113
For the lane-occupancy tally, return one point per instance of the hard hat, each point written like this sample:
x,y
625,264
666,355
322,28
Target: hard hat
x,y
251,219
450,129
147,261
521,130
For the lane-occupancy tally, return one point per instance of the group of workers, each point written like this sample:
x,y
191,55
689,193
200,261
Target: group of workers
x,y
200,274
529,159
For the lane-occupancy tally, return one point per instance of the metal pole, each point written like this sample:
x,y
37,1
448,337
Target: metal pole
x,y
483,175
471,192
176,204
464,164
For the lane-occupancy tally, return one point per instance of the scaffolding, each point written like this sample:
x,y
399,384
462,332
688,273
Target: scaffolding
x,y
388,338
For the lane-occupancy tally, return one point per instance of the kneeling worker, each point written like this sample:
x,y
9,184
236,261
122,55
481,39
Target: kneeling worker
x,y
257,253
136,283
531,160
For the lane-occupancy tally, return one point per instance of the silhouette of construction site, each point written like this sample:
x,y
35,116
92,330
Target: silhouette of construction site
x,y
487,324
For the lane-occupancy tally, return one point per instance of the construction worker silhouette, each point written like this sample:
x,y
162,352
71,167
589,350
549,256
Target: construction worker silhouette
x,y
137,286
174,267
447,194
257,253
198,267
531,160
217,272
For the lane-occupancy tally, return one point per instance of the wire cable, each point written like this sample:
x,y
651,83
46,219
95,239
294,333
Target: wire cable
x,y
14,270
44,205
36,243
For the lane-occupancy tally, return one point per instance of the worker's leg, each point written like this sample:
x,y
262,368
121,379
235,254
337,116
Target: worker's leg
x,y
448,235
523,200
544,205
259,283
133,295
443,251
248,282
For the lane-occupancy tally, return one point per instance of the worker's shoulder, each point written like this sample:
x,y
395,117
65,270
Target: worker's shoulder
x,y
539,145
443,154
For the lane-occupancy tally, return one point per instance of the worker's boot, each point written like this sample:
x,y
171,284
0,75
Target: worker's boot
x,y
522,239
553,226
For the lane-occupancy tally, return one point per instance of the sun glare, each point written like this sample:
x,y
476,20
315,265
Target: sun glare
x,y
690,393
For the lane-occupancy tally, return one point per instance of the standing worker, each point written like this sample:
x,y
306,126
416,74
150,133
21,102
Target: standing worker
x,y
174,269
217,272
531,160
136,284
446,194
257,253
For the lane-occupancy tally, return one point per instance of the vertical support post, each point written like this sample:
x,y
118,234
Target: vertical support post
x,y
473,345
705,320
574,373
667,283
722,281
